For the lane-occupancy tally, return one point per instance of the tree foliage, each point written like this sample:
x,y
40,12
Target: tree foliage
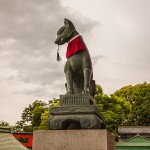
x,y
114,109
34,116
127,106
44,118
4,123
27,114
19,126
139,98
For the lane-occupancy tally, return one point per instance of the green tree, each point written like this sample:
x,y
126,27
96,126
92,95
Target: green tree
x,y
139,98
127,106
36,118
31,117
44,118
114,109
18,126
46,113
3,123
27,114
54,102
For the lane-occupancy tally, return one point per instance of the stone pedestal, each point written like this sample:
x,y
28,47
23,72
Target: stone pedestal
x,y
76,111
73,140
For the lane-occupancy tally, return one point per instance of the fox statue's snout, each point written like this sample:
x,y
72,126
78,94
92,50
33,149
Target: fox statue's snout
x,y
58,41
65,32
61,36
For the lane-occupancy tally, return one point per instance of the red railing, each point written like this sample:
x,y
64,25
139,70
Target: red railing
x,y
25,138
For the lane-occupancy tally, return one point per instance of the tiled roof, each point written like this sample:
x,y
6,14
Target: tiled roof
x,y
5,129
134,129
8,142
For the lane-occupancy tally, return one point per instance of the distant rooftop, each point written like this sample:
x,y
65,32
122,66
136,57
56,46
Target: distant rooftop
x,y
9,142
134,129
5,129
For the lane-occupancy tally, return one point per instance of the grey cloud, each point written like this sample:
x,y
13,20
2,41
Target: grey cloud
x,y
48,90
29,69
28,31
85,24
96,59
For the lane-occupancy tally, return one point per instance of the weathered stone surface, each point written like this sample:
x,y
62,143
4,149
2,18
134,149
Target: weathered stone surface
x,y
67,110
77,121
73,140
76,99
76,111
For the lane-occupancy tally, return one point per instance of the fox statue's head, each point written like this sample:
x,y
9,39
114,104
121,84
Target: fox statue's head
x,y
66,32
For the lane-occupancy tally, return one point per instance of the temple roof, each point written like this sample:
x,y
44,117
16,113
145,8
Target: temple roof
x,y
134,129
136,141
8,141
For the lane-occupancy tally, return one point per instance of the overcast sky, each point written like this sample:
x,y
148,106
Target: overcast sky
x,y
116,32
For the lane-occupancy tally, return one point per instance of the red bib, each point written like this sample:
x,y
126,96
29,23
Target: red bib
x,y
75,45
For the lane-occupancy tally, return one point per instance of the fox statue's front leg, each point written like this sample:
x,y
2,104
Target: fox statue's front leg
x,y
69,78
68,75
87,72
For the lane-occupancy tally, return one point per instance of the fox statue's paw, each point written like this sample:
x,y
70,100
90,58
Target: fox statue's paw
x,y
86,91
69,92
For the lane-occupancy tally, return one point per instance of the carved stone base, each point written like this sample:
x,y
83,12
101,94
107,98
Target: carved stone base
x,y
77,111
81,109
78,121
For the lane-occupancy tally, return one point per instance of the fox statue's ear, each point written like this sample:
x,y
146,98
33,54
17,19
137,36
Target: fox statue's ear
x,y
67,22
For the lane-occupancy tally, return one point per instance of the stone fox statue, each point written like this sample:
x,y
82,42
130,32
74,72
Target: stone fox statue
x,y
78,68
